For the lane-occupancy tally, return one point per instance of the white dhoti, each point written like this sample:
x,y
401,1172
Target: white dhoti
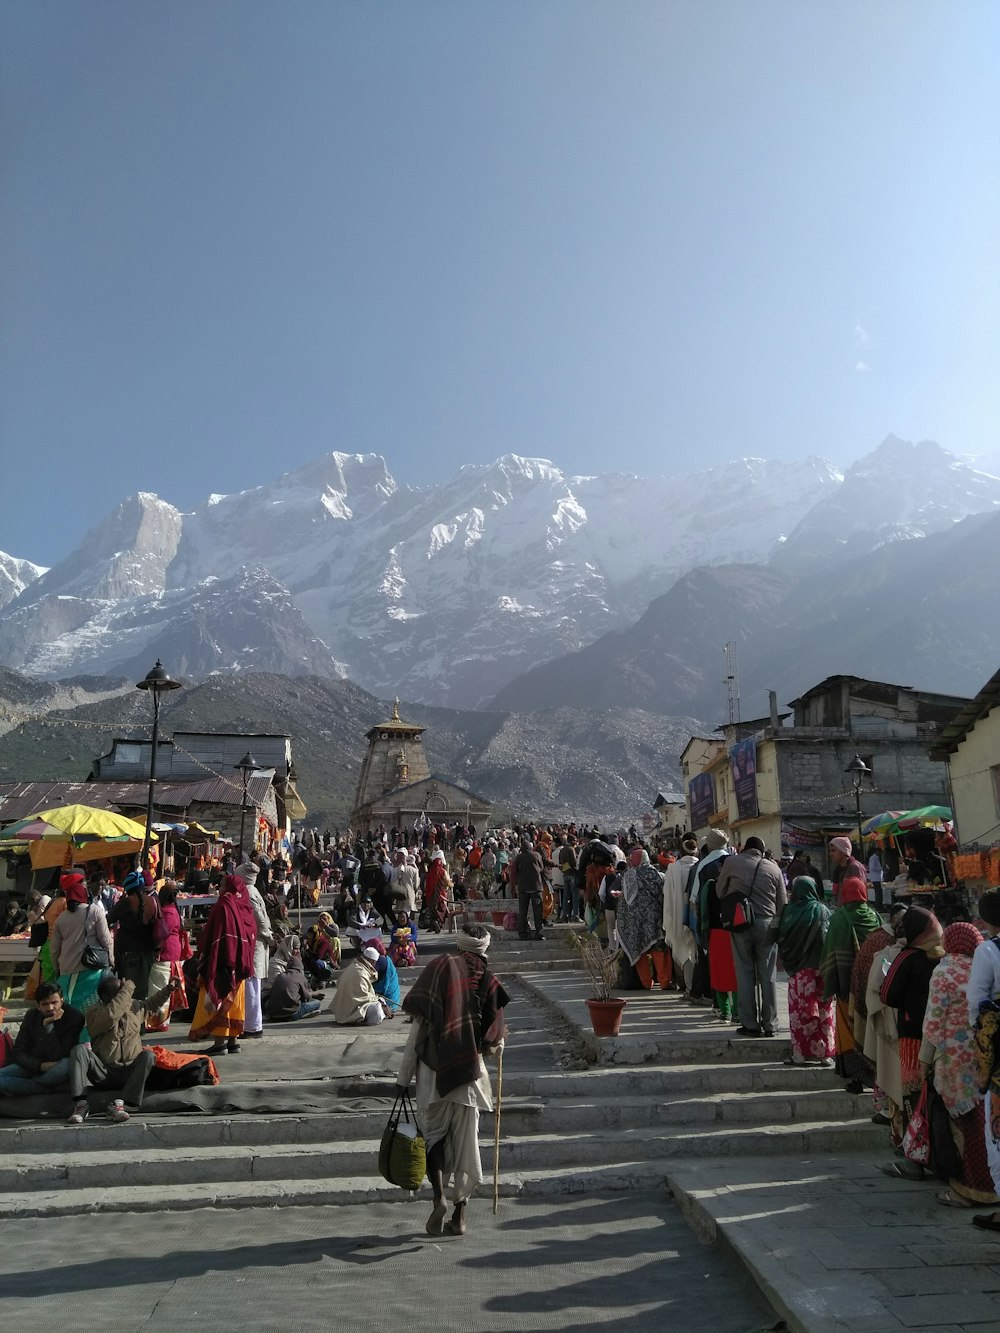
x,y
452,1119
254,1020
458,1127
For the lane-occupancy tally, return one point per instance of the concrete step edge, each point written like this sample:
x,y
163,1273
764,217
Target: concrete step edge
x,y
74,1155
313,1192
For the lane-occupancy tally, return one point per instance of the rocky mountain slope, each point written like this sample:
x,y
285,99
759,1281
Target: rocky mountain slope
x,y
923,613
579,762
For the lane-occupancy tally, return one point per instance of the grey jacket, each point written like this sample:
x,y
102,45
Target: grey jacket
x,y
739,872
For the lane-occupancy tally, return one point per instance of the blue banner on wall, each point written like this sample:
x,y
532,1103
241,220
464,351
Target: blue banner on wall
x,y
743,765
701,794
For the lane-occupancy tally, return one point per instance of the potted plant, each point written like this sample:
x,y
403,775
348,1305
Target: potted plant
x,y
601,968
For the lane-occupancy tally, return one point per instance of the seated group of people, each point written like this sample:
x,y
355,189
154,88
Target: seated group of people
x,y
59,1045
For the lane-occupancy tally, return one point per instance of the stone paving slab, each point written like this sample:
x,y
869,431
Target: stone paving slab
x,y
613,1263
835,1245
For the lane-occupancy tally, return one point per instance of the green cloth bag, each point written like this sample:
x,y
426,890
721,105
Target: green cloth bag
x,y
402,1154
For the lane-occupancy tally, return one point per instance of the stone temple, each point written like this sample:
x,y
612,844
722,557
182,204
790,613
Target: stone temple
x,y
397,787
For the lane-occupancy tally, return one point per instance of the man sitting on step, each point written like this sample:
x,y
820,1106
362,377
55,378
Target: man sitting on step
x,y
116,1058
48,1035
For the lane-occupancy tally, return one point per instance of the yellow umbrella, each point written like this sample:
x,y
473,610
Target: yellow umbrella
x,y
75,833
88,821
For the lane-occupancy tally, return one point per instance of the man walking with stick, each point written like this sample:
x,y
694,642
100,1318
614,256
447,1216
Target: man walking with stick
x,y
457,1005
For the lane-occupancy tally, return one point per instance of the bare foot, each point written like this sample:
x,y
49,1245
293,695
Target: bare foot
x,y
435,1223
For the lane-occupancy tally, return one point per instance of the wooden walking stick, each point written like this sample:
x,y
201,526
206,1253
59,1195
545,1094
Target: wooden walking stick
x,y
496,1135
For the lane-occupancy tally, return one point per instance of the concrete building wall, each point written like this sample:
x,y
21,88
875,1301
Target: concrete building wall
x,y
813,780
975,774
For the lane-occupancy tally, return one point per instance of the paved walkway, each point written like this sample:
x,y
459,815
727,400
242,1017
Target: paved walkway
x,y
616,1263
830,1240
837,1245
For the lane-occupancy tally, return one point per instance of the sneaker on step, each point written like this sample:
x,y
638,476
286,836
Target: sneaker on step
x,y
81,1110
117,1112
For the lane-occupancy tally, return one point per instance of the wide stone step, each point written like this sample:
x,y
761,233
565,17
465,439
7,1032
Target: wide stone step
x,y
522,1116
139,1135
327,1191
749,1108
200,1168
654,1078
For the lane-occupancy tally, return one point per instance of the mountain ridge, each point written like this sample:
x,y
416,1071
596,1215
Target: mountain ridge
x,y
449,592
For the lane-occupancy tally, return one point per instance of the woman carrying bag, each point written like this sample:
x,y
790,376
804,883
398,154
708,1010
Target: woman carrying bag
x,y
80,942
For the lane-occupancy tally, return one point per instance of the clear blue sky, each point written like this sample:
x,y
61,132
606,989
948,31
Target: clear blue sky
x,y
618,234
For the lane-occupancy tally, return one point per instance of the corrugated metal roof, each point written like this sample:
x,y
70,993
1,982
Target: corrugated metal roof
x,y
20,799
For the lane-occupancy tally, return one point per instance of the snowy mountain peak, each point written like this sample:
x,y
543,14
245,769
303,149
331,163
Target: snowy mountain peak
x,y
444,593
15,575
898,492
125,555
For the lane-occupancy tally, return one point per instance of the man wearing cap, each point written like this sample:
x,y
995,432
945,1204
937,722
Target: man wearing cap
x,y
253,1024
354,1001
845,866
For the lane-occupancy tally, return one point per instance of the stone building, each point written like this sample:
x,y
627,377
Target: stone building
x,y
198,778
396,786
791,786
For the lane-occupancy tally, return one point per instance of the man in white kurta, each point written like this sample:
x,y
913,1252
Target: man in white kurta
x,y
677,933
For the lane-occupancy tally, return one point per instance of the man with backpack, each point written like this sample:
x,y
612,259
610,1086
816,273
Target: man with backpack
x,y
751,877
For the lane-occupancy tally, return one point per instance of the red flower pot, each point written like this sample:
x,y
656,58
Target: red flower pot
x,y
606,1016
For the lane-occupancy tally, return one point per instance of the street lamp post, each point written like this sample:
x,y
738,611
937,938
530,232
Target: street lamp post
x,y
156,682
859,770
246,766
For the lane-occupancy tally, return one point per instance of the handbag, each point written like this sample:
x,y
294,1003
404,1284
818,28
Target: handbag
x,y
402,1154
917,1139
38,934
162,930
94,957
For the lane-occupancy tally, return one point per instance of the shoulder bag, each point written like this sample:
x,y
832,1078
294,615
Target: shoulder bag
x,y
402,1154
94,957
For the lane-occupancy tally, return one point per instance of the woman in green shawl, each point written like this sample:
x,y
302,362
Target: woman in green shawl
x,y
801,930
852,922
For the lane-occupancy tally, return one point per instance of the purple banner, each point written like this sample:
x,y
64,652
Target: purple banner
x,y
743,764
701,794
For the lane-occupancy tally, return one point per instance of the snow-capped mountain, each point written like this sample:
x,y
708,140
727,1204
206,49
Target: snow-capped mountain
x,y
15,575
898,492
443,593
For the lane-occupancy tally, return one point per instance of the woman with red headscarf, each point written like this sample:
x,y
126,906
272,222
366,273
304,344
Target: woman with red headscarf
x,y
850,925
225,960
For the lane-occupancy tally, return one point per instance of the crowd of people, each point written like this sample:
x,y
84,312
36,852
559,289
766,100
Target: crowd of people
x,y
895,1003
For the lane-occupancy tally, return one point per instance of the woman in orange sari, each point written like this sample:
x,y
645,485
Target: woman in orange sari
x,y
225,960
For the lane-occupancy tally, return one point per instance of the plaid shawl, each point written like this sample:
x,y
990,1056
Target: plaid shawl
x,y
462,1004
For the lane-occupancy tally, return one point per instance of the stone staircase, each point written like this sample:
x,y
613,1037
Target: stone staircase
x,y
578,1114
